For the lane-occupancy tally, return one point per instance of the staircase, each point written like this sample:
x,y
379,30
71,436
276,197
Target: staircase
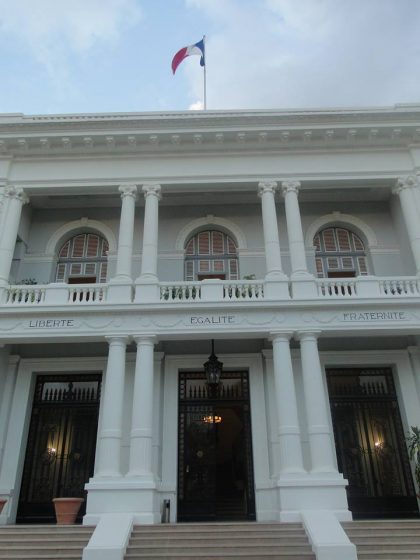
x,y
222,541
39,542
385,540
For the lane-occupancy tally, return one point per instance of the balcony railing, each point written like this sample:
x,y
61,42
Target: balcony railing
x,y
222,291
343,288
56,294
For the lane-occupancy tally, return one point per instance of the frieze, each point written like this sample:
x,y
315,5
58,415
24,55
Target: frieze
x,y
374,316
51,323
212,320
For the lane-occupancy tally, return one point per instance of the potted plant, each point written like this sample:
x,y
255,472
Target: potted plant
x,y
413,442
66,509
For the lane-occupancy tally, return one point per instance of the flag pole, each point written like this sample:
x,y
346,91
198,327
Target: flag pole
x,y
205,80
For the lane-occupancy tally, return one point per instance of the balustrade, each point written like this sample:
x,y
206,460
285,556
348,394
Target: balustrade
x,y
221,290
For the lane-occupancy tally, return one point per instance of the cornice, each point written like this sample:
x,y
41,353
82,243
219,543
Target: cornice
x,y
198,132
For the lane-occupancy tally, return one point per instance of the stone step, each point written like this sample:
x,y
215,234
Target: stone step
x,y
269,555
218,528
219,534
381,534
37,539
387,540
217,549
192,540
50,553
391,554
382,524
220,541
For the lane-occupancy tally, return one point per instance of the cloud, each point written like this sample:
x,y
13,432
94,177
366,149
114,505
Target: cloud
x,y
306,53
55,29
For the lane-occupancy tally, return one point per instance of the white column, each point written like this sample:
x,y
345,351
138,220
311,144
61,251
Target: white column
x,y
290,449
126,233
405,189
13,200
112,404
290,191
266,191
414,353
150,233
317,406
141,457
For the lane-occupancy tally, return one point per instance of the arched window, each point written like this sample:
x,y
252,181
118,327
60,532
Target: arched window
x,y
83,260
339,253
211,254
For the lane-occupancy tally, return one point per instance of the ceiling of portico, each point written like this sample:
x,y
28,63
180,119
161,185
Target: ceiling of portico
x,y
214,194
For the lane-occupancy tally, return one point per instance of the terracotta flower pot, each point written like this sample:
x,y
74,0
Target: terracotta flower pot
x,y
66,509
3,502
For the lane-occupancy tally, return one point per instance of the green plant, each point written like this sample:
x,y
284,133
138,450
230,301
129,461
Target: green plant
x,y
413,443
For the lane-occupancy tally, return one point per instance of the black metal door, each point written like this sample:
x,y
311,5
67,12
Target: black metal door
x,y
61,445
370,443
215,471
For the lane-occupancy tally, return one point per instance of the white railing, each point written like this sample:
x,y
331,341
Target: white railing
x,y
248,290
402,287
86,293
173,292
25,295
211,290
333,288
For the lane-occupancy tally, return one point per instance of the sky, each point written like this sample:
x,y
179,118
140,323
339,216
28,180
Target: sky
x,y
84,56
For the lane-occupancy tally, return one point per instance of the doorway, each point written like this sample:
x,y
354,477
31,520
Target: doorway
x,y
370,443
60,452
215,467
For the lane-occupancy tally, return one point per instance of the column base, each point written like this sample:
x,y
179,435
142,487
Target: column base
x,y
120,290
299,492
303,286
133,496
147,291
276,287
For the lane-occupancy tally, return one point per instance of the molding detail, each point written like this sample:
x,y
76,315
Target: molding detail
x,y
210,220
346,220
152,189
128,190
64,231
267,186
17,193
408,182
290,186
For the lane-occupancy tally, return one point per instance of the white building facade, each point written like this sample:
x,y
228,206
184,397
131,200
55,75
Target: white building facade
x,y
130,242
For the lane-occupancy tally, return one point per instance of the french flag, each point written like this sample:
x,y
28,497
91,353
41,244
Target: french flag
x,y
198,48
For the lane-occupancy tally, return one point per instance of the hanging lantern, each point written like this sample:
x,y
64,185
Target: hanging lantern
x,y
213,369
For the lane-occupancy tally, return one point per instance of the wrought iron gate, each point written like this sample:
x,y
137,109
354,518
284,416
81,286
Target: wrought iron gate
x,y
215,469
61,444
370,442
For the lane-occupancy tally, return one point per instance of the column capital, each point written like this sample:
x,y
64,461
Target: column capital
x,y
128,191
145,340
267,186
290,186
407,182
117,339
280,335
413,350
308,335
17,193
152,189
